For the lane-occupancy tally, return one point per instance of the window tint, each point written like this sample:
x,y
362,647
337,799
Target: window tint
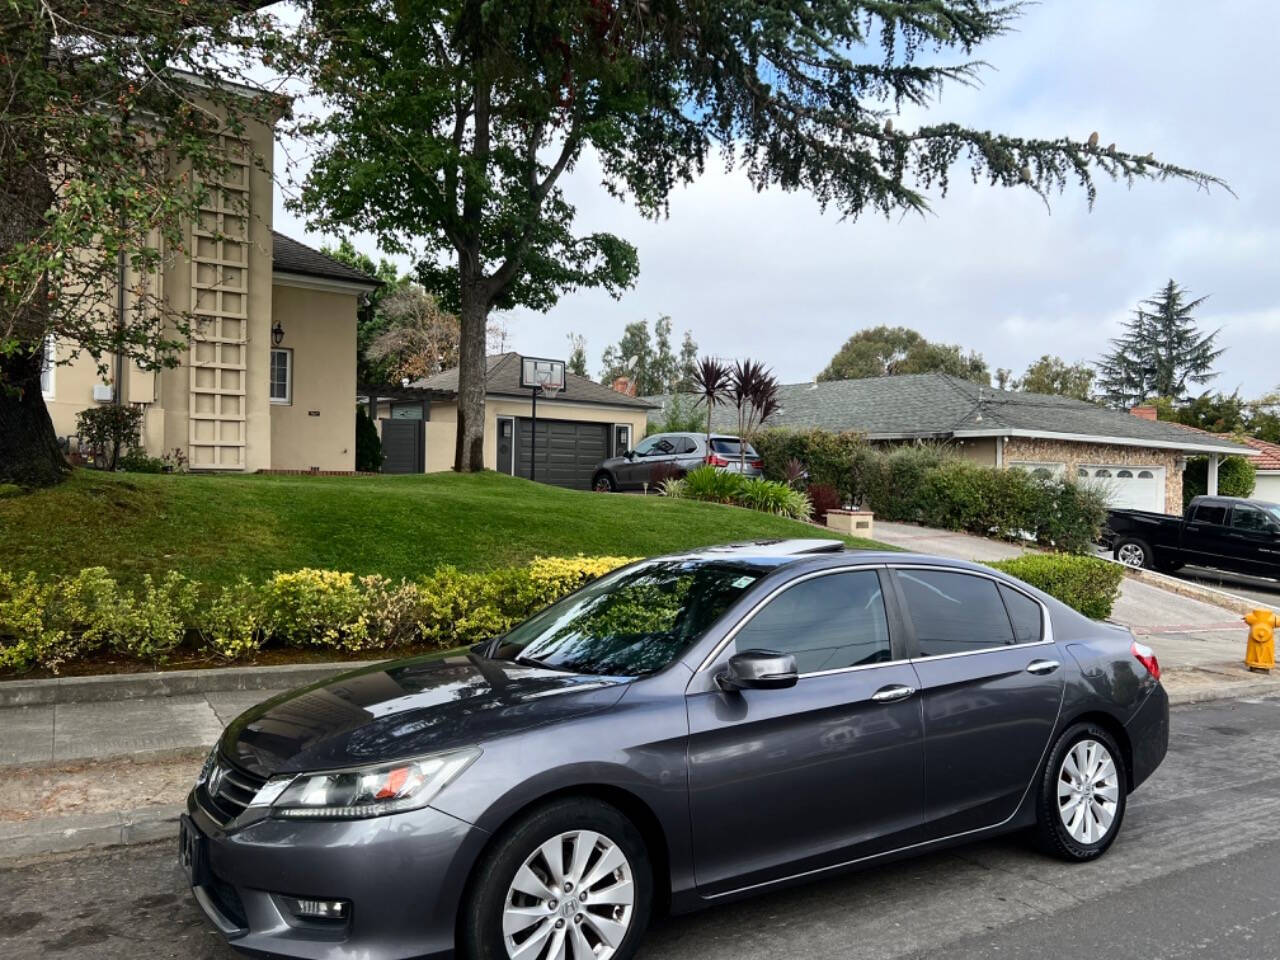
x,y
954,612
731,447
653,447
826,623
1025,614
685,445
1211,513
1244,517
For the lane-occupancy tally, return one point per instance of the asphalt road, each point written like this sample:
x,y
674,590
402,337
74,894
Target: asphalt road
x,y
1196,873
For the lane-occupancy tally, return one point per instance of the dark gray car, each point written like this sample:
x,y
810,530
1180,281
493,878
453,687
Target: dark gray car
x,y
681,732
662,455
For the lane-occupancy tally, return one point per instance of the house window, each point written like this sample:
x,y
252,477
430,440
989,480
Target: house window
x,y
49,366
281,376
1040,470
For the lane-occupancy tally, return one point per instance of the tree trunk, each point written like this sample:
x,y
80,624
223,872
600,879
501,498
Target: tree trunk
x,y
29,451
469,454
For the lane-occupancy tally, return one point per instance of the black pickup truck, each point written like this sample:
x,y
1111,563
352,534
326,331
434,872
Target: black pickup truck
x,y
1227,533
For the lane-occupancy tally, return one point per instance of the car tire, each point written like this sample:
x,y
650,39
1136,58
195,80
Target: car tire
x,y
603,483
1133,552
1074,823
494,906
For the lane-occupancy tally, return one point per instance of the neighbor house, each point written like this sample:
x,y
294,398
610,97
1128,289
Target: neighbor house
x,y
1267,486
1139,459
585,423
268,379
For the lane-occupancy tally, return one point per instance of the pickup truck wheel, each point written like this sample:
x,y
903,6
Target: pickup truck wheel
x,y
1133,553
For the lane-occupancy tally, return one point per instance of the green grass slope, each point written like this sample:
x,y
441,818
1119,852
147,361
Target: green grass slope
x,y
214,528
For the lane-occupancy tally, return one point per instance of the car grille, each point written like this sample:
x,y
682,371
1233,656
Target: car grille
x,y
227,791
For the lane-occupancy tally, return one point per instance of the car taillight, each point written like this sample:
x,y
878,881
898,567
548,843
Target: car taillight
x,y
1147,657
757,464
715,461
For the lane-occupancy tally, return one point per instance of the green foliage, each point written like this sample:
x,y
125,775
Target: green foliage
x,y
577,363
680,415
1088,585
369,456
49,623
828,457
649,362
1055,377
371,318
756,493
1237,476
1217,413
109,430
137,461
891,351
1160,353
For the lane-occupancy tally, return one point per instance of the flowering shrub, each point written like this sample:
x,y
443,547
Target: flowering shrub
x,y
48,623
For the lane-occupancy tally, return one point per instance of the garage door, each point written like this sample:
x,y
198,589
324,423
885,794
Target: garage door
x,y
568,451
1127,487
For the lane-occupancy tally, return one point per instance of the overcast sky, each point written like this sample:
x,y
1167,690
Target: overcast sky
x,y
772,277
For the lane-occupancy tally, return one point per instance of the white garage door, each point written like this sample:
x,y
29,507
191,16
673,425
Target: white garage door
x,y
1129,488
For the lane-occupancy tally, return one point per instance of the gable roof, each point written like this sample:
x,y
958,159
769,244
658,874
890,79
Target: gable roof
x,y
290,256
502,378
938,405
1268,458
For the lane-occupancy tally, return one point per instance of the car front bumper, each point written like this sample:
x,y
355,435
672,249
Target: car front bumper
x,y
403,876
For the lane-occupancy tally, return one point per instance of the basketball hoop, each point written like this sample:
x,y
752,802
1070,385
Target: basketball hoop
x,y
539,376
549,388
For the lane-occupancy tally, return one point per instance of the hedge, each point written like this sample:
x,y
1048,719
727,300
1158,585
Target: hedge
x,y
929,484
48,623
1088,585
1237,477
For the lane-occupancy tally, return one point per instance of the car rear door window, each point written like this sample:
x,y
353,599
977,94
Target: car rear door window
x,y
1026,615
1211,513
827,623
1251,519
685,445
954,612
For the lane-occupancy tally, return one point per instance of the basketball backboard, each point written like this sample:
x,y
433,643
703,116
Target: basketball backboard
x,y
542,374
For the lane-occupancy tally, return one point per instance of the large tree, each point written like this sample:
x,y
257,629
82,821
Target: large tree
x,y
371,320
452,125
647,360
891,351
1161,352
112,126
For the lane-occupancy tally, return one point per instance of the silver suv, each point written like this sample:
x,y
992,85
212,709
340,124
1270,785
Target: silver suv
x,y
663,455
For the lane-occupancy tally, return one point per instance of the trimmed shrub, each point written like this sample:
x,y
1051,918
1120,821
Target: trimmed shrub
x,y
369,455
1088,585
108,431
828,457
1237,477
315,608
824,498
233,625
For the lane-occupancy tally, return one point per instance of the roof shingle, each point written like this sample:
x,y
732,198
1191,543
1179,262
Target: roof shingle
x,y
502,377
939,405
290,256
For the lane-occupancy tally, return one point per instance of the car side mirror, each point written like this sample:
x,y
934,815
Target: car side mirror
x,y
629,454
759,670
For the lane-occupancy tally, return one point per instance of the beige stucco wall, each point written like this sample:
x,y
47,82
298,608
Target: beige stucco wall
x,y
316,430
1073,455
169,396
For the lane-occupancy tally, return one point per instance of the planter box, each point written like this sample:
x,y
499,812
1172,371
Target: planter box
x,y
856,523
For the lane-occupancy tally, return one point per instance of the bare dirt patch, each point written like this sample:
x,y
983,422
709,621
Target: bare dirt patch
x,y
96,786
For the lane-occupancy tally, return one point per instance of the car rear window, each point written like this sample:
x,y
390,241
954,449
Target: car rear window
x,y
730,448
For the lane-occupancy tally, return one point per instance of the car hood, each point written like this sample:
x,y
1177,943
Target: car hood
x,y
407,708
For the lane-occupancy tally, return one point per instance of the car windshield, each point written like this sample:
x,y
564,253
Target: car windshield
x,y
632,622
730,447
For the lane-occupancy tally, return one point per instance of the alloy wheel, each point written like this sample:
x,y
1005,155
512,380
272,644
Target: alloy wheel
x,y
1088,791
572,899
1132,555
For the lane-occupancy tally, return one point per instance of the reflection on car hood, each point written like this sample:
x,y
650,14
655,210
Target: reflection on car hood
x,y
406,708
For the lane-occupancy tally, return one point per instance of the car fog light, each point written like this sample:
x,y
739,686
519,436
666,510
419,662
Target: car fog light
x,y
305,909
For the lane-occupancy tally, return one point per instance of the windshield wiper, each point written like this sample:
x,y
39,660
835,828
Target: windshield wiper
x,y
535,662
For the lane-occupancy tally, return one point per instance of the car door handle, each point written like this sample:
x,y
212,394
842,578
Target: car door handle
x,y
1039,667
893,693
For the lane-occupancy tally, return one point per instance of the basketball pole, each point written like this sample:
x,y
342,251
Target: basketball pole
x,y
533,438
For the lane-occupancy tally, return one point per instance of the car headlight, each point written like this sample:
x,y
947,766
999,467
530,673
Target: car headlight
x,y
363,791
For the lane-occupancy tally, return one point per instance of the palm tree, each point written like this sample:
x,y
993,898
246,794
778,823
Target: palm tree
x,y
711,380
748,379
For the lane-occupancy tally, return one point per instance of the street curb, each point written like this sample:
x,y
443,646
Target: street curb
x,y
168,683
1192,591
24,839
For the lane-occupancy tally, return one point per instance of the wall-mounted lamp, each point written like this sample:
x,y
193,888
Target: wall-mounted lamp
x,y
277,333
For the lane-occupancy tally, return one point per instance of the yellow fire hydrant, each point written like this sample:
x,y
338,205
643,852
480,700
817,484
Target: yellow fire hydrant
x,y
1260,655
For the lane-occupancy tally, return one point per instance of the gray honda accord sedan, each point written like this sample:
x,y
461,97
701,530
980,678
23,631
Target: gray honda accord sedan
x,y
683,731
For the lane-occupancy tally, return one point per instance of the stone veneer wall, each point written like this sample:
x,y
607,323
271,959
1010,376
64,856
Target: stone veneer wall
x,y
1076,454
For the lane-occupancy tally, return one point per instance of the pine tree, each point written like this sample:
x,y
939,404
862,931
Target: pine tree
x,y
577,354
1160,353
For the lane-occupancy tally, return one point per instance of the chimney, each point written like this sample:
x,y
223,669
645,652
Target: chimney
x,y
624,385
1146,413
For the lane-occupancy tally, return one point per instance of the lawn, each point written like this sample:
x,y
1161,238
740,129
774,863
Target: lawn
x,y
215,528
